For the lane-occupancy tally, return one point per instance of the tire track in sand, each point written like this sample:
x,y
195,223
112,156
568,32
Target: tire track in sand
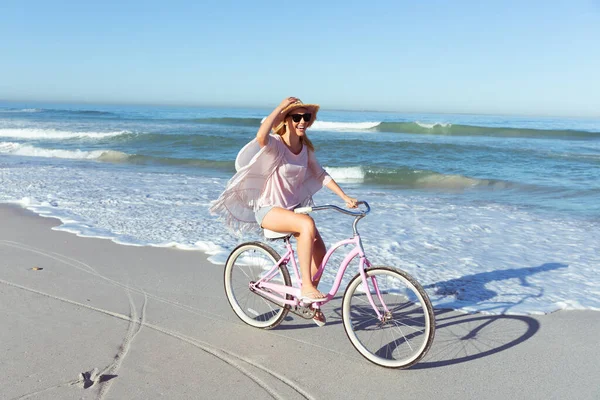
x,y
134,328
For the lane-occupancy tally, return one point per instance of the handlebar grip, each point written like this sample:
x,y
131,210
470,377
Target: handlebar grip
x,y
303,210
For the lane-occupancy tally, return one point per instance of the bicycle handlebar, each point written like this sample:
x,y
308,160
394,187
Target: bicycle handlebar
x,y
362,213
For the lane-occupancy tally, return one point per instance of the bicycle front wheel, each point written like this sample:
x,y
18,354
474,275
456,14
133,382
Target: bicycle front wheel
x,y
248,263
403,333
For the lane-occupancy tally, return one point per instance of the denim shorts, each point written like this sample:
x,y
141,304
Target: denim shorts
x,y
261,213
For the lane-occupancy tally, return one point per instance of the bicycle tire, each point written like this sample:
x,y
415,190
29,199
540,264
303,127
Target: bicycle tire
x,y
408,331
247,263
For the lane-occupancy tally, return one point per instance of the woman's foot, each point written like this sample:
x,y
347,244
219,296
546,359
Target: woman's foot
x,y
311,296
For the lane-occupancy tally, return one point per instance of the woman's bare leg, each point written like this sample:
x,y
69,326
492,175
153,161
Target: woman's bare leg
x,y
319,251
281,220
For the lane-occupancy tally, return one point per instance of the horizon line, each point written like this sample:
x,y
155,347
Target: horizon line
x,y
220,105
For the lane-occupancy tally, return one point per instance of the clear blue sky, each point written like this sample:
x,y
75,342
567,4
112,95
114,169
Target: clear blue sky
x,y
524,57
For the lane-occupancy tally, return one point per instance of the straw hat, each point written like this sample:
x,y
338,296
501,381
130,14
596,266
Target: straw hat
x,y
311,108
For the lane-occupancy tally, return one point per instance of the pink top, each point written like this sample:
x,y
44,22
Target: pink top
x,y
283,188
268,176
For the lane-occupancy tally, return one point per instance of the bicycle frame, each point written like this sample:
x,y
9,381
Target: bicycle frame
x,y
295,292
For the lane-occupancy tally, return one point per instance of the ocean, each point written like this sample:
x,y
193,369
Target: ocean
x,y
495,214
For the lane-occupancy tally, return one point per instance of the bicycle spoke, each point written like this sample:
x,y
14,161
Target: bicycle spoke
x,y
249,263
403,335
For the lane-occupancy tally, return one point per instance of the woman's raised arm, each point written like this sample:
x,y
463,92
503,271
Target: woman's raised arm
x,y
262,136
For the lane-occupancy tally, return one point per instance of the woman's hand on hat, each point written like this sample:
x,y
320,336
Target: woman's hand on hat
x,y
277,116
287,101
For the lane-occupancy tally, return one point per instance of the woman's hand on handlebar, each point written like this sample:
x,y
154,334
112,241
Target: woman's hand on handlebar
x,y
351,202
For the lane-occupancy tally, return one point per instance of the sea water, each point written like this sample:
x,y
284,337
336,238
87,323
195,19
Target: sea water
x,y
497,214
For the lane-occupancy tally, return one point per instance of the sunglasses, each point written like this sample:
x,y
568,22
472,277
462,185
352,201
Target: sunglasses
x,y
297,117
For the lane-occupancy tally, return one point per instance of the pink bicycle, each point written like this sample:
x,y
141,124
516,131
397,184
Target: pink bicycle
x,y
386,314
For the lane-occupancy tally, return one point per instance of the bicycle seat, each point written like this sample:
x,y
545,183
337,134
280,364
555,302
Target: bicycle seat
x,y
269,234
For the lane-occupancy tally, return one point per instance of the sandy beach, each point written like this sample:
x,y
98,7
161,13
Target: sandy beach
x,y
87,318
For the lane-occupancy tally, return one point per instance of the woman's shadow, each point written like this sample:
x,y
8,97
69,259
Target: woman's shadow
x,y
473,288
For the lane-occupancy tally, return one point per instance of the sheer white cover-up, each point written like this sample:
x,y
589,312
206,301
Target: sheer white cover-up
x,y
255,167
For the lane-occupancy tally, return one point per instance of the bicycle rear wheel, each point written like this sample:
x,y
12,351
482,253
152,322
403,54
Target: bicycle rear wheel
x,y
248,263
405,332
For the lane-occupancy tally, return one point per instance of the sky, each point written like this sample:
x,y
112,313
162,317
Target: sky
x,y
502,57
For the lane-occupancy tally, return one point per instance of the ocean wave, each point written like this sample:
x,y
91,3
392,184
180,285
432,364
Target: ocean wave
x,y
344,126
433,125
85,112
19,149
182,162
347,174
410,178
21,110
178,140
41,134
320,125
317,125
32,151
441,128
418,127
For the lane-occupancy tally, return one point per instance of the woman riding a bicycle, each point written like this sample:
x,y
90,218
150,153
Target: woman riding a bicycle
x,y
283,175
386,314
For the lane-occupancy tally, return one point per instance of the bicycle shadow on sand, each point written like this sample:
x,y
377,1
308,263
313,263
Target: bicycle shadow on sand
x,y
464,337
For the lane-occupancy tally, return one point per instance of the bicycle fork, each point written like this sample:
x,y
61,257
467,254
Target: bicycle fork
x,y
387,314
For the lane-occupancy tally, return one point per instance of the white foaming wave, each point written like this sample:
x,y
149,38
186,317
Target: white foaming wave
x,y
488,258
433,125
24,110
346,174
340,126
32,151
457,182
448,181
344,126
55,134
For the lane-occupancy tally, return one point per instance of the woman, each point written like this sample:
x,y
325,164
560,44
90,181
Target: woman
x,y
283,175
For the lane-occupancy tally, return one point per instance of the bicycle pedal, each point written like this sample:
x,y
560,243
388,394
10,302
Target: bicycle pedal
x,y
307,313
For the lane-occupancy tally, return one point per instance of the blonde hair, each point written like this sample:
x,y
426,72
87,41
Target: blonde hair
x,y
305,140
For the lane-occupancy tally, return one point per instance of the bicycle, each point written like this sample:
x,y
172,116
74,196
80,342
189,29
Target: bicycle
x,y
386,314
